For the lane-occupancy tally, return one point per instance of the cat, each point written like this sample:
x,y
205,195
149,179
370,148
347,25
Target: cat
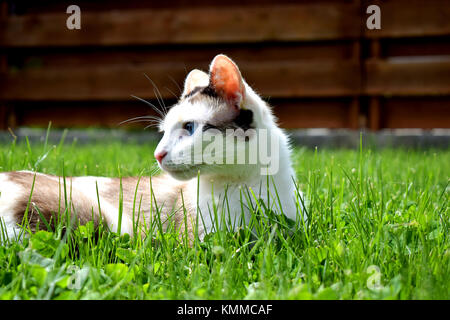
x,y
192,193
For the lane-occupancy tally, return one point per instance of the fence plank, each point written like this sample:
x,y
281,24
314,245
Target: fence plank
x,y
307,21
412,18
418,112
190,54
408,77
81,114
291,113
428,46
118,82
317,113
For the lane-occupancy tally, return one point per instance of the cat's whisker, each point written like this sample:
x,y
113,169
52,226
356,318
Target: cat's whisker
x,y
176,83
155,120
157,94
155,169
176,97
151,125
142,117
161,113
160,102
145,119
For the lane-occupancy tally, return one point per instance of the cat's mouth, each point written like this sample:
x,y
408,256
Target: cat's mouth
x,y
180,172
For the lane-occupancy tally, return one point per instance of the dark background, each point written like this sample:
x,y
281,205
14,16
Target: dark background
x,y
314,61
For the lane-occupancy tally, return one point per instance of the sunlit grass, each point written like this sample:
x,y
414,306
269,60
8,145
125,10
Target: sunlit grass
x,y
377,228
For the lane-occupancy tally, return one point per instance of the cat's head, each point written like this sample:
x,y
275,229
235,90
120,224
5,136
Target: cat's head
x,y
213,106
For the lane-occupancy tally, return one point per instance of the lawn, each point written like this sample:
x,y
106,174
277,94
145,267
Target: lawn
x,y
378,229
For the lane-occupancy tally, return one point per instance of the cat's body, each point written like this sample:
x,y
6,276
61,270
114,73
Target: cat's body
x,y
191,191
49,194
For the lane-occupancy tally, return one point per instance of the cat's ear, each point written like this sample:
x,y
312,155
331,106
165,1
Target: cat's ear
x,y
225,78
195,78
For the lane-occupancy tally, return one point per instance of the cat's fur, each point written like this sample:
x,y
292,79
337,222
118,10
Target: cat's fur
x,y
215,102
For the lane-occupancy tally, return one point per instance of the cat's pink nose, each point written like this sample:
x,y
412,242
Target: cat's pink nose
x,y
160,155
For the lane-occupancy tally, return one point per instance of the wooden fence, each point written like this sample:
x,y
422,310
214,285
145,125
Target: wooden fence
x,y
314,61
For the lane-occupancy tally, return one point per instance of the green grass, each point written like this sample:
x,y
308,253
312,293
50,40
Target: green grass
x,y
378,229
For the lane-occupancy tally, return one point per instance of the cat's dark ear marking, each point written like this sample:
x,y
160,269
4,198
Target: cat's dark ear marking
x,y
209,91
226,80
195,79
244,120
194,91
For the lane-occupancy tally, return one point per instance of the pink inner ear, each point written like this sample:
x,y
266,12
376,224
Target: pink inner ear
x,y
226,80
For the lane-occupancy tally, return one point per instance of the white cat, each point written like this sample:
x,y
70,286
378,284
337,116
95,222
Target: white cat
x,y
204,182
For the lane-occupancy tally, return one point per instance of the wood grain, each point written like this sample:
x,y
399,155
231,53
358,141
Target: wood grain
x,y
412,18
408,77
301,22
118,82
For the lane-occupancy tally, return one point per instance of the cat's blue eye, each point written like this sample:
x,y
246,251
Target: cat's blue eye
x,y
189,127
